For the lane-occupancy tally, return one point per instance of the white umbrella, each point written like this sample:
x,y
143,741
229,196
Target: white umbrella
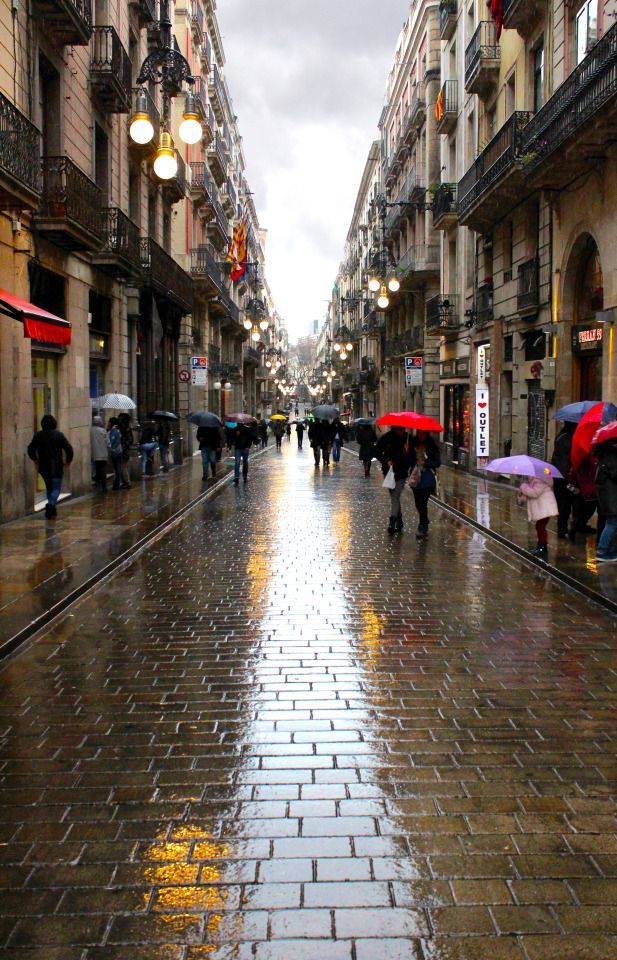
x,y
115,401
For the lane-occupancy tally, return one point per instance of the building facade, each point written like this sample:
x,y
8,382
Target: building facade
x,y
89,233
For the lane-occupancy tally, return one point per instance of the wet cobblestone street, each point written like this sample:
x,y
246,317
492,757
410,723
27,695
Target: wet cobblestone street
x,y
280,733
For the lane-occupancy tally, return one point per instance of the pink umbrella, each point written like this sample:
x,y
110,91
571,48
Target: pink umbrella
x,y
523,466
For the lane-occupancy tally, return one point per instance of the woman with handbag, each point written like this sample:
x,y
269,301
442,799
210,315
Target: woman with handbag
x,y
393,452
425,461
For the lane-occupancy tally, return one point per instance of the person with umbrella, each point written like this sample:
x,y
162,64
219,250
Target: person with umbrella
x,y
367,438
278,430
605,449
210,439
300,433
561,460
425,463
262,432
393,451
338,439
240,437
537,493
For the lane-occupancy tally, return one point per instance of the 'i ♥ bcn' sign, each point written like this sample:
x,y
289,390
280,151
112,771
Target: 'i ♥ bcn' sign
x,y
482,421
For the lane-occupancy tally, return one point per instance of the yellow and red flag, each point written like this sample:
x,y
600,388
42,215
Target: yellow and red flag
x,y
439,106
236,254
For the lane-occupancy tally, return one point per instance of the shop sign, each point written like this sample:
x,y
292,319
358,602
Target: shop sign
x,y
199,371
482,421
484,362
413,371
447,368
462,367
587,339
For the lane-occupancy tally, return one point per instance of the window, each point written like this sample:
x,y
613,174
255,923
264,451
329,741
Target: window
x,y
49,108
507,249
101,162
538,76
510,92
586,29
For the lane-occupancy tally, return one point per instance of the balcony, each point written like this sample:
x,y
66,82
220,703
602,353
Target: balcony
x,y
442,316
202,188
110,71
70,212
120,253
197,22
20,163
217,159
217,94
528,289
218,225
206,272
523,15
142,150
482,59
496,182
444,206
229,199
419,264
418,105
447,19
164,275
174,189
146,10
405,343
206,54
484,305
447,107
576,122
252,357
66,21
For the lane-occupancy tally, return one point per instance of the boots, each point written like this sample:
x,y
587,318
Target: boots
x,y
541,551
392,525
421,532
367,470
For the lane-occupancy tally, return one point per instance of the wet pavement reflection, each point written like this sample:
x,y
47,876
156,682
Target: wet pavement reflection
x,y
281,733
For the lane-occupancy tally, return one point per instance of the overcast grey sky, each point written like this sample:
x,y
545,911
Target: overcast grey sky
x,y
307,79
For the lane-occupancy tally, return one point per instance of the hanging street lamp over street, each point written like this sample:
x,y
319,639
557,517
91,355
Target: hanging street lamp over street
x,y
247,324
374,284
190,130
383,299
165,163
141,129
394,284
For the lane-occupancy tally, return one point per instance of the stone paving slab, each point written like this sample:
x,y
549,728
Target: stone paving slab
x,y
282,733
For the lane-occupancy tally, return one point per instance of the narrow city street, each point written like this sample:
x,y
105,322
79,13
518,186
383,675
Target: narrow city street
x,y
281,734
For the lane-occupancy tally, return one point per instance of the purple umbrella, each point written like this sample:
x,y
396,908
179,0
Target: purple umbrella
x,y
523,466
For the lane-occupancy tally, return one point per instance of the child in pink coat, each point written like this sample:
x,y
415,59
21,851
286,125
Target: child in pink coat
x,y
537,493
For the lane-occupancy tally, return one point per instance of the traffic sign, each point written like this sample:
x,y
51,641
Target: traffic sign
x,y
199,371
184,376
413,371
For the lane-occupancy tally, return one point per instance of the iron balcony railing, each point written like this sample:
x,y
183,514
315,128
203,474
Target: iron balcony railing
x,y
204,263
483,45
121,236
206,51
216,148
165,274
200,92
418,101
220,217
447,9
68,194
214,354
231,192
67,21
405,342
582,95
442,312
217,87
147,10
110,69
20,147
202,180
253,354
197,20
449,97
499,154
484,305
153,111
413,189
528,292
444,201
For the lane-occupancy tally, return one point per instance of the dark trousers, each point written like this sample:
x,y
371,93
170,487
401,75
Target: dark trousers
x,y
582,511
541,526
100,474
564,500
117,465
421,497
241,457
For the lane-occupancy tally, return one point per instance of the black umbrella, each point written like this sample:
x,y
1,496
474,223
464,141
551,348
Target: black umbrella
x,y
325,411
364,422
205,419
163,415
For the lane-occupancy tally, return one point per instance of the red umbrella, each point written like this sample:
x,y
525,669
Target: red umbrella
x,y
409,420
583,435
609,432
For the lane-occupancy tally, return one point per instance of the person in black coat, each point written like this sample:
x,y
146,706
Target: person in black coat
x,y
367,438
51,451
240,438
210,446
300,433
561,460
606,487
425,456
393,450
320,438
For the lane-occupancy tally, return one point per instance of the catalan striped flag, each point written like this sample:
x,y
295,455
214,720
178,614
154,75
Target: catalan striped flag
x,y
236,255
439,106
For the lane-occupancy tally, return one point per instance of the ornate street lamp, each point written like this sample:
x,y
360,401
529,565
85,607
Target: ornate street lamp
x,y
165,66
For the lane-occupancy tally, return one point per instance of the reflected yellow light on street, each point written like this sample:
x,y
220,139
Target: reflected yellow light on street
x,y
172,873
191,898
370,633
167,851
341,529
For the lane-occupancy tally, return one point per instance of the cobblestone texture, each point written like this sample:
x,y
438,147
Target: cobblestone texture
x,y
282,734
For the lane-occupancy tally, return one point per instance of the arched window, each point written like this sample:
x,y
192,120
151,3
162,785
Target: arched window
x,y
590,293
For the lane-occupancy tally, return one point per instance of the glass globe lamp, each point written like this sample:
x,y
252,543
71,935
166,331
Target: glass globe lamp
x,y
394,284
383,300
190,129
374,284
165,163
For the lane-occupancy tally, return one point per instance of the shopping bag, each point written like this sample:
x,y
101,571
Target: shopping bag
x,y
415,476
389,481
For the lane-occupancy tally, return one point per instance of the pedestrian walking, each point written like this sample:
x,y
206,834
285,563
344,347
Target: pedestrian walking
x,y
51,452
606,487
338,440
582,484
239,437
147,446
320,438
163,438
210,441
561,489
99,453
278,431
425,461
124,424
115,448
300,434
393,451
537,494
288,431
367,438
262,431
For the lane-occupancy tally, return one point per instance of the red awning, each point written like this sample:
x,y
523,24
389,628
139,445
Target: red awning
x,y
38,324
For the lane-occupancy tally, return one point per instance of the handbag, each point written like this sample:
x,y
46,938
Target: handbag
x,y
414,477
389,481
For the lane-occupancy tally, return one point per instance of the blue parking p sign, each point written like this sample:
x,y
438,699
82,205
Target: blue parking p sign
x,y
413,371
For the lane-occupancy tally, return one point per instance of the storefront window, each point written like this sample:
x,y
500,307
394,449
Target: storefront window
x,y
457,415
